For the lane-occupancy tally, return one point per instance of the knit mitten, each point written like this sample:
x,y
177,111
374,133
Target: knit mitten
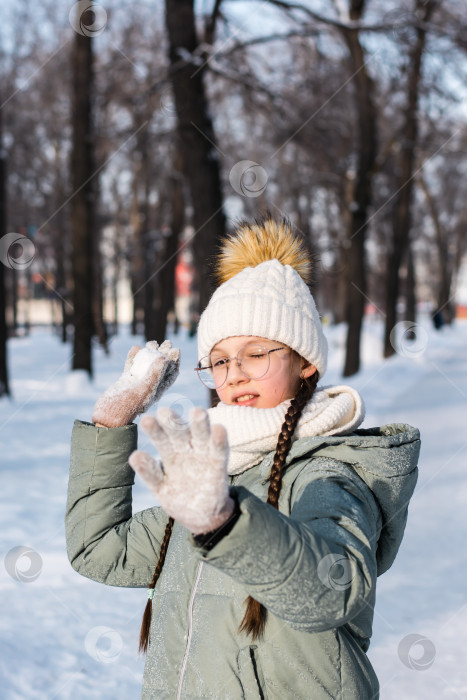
x,y
192,485
133,393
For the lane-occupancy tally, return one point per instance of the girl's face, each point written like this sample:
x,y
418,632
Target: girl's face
x,y
278,384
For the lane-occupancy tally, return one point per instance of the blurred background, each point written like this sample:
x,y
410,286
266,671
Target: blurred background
x,y
134,134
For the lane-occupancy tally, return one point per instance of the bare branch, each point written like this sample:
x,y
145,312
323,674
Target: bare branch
x,y
455,31
351,25
304,33
211,23
253,86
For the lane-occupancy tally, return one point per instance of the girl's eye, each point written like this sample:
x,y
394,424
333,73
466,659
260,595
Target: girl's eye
x,y
219,363
256,354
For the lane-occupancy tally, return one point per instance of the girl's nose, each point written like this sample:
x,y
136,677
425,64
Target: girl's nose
x,y
235,374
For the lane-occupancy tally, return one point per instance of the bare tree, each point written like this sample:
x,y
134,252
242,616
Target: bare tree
x,y
445,194
83,202
361,200
400,243
164,280
4,383
277,99
196,135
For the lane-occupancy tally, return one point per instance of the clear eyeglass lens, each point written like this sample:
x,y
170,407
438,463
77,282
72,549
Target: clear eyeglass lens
x,y
205,374
253,359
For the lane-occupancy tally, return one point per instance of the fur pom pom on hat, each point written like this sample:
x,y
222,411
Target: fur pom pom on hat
x,y
264,269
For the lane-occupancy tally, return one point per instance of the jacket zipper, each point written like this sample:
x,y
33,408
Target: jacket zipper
x,y
190,631
256,671
190,619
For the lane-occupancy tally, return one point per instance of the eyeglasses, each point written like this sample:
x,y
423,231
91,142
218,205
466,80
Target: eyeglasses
x,y
252,360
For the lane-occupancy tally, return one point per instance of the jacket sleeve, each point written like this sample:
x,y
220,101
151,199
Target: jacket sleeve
x,y
315,569
104,541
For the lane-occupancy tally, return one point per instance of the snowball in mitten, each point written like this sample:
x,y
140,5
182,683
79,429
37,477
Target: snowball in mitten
x,y
135,391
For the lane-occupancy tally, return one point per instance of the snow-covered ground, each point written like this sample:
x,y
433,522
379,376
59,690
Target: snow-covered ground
x,y
66,638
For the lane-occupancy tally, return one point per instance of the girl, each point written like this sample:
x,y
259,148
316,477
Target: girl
x,y
277,513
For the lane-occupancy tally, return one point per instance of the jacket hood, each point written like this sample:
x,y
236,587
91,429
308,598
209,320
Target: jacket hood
x,y
385,459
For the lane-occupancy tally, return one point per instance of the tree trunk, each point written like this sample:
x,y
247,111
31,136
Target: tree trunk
x,y
446,264
13,288
361,196
115,280
197,139
99,325
27,282
60,233
404,183
164,291
457,259
410,298
4,384
151,254
82,202
60,277
137,258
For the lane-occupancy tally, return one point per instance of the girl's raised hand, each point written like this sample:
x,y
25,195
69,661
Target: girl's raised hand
x,y
191,484
134,393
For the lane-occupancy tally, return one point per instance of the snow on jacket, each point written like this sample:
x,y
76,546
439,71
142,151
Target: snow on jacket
x,y
313,564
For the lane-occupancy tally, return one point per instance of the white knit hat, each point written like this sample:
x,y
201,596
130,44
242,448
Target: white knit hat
x,y
270,300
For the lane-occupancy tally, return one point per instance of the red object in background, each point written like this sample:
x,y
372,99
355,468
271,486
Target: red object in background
x,y
183,278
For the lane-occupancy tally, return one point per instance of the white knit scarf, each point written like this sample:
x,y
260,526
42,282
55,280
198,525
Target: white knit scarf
x,y
253,432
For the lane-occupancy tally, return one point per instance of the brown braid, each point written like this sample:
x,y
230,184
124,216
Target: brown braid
x,y
146,624
254,619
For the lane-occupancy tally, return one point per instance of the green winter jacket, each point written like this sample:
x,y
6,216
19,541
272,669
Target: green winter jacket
x,y
313,565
